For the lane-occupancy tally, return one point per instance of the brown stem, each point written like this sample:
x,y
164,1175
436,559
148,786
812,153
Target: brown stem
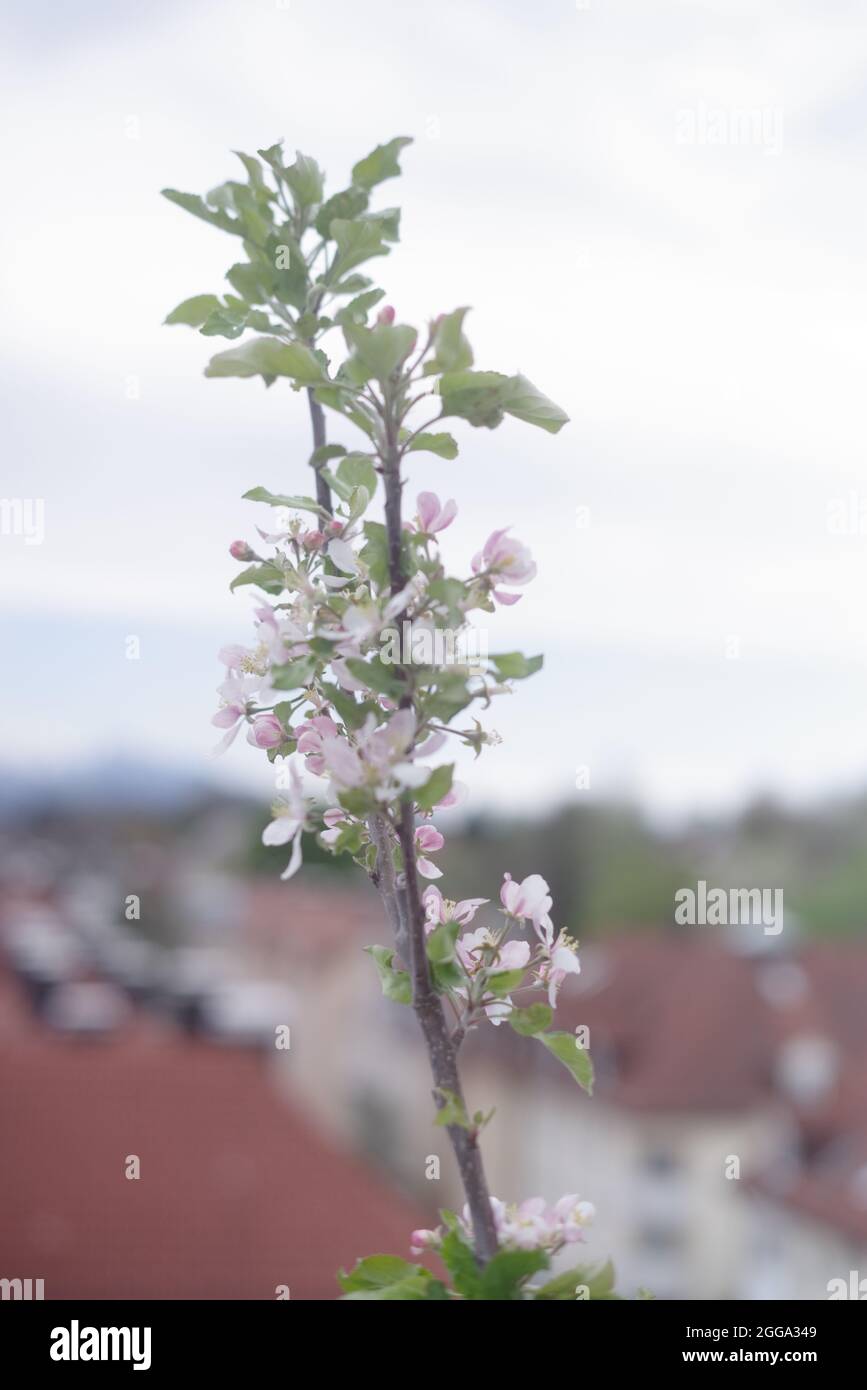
x,y
317,420
442,1053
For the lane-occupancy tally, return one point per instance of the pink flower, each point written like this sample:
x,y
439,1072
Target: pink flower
x,y
434,516
423,1240
266,731
573,1216
528,899
439,910
562,961
311,739
476,949
506,561
334,819
290,817
238,695
428,840
386,314
240,550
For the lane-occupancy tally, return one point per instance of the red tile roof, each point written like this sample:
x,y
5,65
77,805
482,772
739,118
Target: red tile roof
x,y
237,1194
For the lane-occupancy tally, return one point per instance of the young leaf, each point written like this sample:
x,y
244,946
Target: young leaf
x,y
576,1059
281,499
452,352
504,1276
515,666
269,357
460,1261
357,241
435,788
266,576
599,1283
195,310
380,164
396,984
452,1112
526,402
379,351
532,1020
389,1278
191,202
442,444
357,470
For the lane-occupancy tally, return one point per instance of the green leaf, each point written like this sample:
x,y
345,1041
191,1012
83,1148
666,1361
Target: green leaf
x,y
452,1113
375,674
266,576
378,351
356,310
374,555
452,352
515,666
191,202
380,164
396,984
224,323
474,396
503,981
346,205
327,452
532,1020
388,222
599,1283
269,357
273,157
253,282
305,179
387,1278
195,310
293,675
358,240
460,1261
357,470
576,1059
282,499
526,402
442,444
254,172
435,788
440,943
503,1277
356,800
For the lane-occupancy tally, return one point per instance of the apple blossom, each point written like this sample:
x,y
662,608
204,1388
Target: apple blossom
x,y
529,899
316,680
289,823
439,910
433,515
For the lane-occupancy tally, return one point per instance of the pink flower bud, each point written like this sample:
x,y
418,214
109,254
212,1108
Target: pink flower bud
x,y
266,731
240,550
335,528
313,540
386,314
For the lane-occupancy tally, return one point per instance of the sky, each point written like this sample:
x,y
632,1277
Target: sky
x,y
657,213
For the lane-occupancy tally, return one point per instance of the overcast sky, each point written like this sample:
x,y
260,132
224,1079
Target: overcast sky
x,y
657,213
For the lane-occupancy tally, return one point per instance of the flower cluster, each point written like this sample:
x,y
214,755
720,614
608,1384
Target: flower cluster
x,y
313,681
497,965
530,1225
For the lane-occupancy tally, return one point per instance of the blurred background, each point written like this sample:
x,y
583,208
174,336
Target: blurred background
x,y
657,216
